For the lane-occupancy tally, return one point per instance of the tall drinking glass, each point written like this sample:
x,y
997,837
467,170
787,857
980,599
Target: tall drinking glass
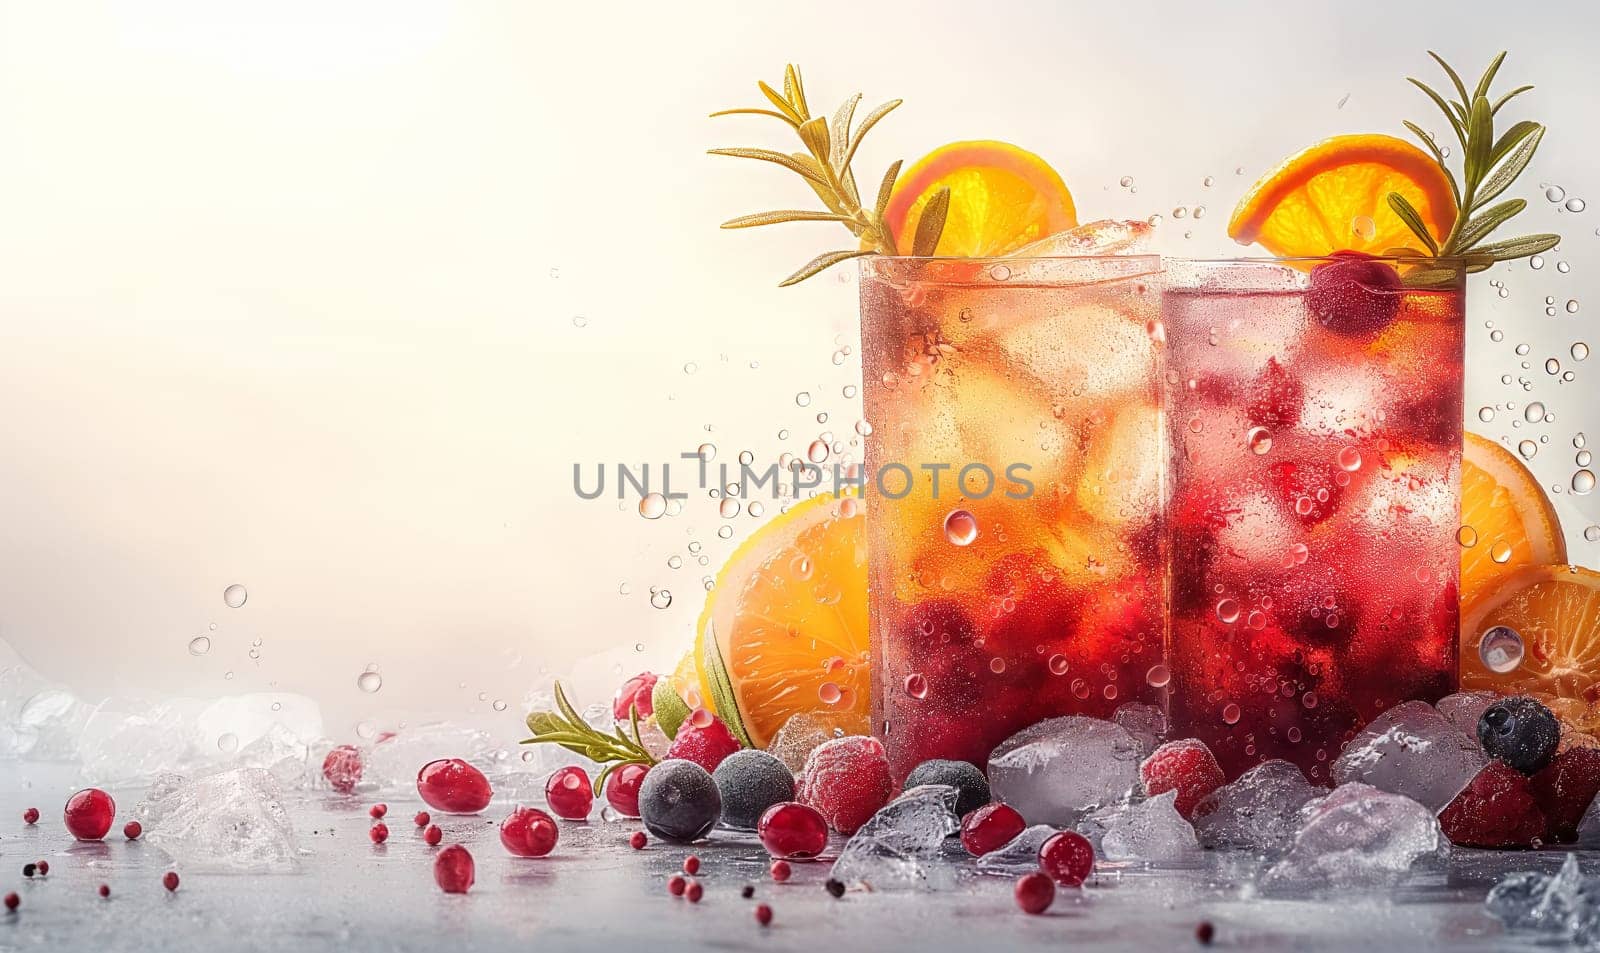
x,y
1314,415
1014,519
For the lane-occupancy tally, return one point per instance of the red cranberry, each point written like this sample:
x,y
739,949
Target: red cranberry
x,y
431,835
792,830
12,901
378,810
638,840
30,816
990,828
132,830
677,884
1204,933
622,788
44,867
170,881
763,914
780,871
89,814
454,786
528,832
636,692
1067,857
105,890
453,869
691,864
569,794
423,819
1035,893
1354,295
694,891
342,768
378,833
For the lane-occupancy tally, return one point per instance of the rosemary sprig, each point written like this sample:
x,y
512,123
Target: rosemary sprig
x,y
565,727
1488,167
825,167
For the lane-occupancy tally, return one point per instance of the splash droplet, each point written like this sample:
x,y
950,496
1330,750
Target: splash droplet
x,y
1158,676
916,686
234,596
961,527
369,682
1501,649
199,645
1259,440
652,506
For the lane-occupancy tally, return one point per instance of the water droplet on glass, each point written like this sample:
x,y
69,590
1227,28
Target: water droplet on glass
x,y
1583,482
674,562
1485,414
1208,181
1363,227
1527,448
1536,262
1563,267
1555,193
1153,220
1572,306
199,645
1230,714
499,704
1592,533
1180,212
916,686
1349,458
723,532
1058,664
1552,366
579,321
1228,610
802,399
960,527
728,508
1199,211
1259,440
997,665
234,596
1500,552
1501,650
1158,676
1580,351
227,742
661,598
1533,413
1576,205
652,506
1467,537
1000,273
818,451
369,681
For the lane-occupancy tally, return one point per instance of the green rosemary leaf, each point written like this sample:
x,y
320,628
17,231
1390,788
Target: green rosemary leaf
x,y
930,225
754,112
822,262
1455,77
566,709
1432,277
1520,247
1488,76
886,187
1480,225
861,130
767,155
1507,98
1413,220
1501,178
1480,140
784,215
1404,251
1455,123
543,722
781,102
1507,142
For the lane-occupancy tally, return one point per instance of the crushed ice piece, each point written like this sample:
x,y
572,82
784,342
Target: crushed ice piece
x,y
1060,769
1358,836
1413,750
1020,854
1258,811
233,821
1564,906
39,721
125,742
899,847
1104,237
1589,827
1147,723
280,753
1463,709
394,760
1151,831
802,732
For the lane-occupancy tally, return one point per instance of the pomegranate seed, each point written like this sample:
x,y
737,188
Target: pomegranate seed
x,y
378,810
793,830
105,890
528,832
132,830
1067,857
44,868
379,832
30,816
1035,893
780,871
342,768
990,828
170,881
1204,933
694,891
676,885
622,788
691,864
89,814
423,819
569,794
763,914
638,840
453,869
431,835
454,786
12,900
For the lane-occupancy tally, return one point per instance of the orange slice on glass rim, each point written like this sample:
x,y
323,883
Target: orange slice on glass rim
x,y
1537,632
1334,196
1507,522
1001,198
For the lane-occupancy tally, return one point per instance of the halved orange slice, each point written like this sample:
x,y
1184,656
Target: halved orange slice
x,y
1549,617
1507,521
1001,198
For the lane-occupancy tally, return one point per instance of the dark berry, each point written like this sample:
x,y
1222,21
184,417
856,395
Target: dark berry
x,y
1353,294
28,870
747,891
1187,767
638,840
44,868
834,887
1521,732
1496,810
1035,892
990,828
1067,857
1566,788
1204,933
971,786
12,901
750,782
679,802
677,884
105,890
763,914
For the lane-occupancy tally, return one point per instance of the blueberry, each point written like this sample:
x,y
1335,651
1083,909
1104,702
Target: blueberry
x,y
751,781
679,802
961,775
1521,732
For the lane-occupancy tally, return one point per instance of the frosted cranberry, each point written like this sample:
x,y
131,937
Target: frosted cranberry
x,y
170,881
1035,893
622,788
454,786
703,739
132,830
677,884
378,810
528,832
1354,295
1187,767
342,768
423,819
763,914
637,692
694,891
89,814
431,835
792,830
569,794
105,890
990,827
638,841
453,869
1067,857
780,871
847,781
30,816
12,901
378,833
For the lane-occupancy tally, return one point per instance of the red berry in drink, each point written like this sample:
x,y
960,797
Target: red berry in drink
x,y
378,811
763,914
1308,491
569,794
1035,892
342,768
691,864
170,881
703,739
1067,857
1275,397
780,871
1565,789
12,901
105,890
132,830
635,693
528,832
1187,767
89,814
423,819
676,884
622,788
1496,810
378,833
694,891
792,830
1353,294
990,828
44,867
453,869
30,816
847,781
431,835
638,840
454,786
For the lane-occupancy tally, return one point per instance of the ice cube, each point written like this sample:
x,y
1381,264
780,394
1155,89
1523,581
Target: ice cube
x,y
1147,723
233,821
1563,906
1105,237
393,761
899,847
1059,769
1463,709
1413,750
1154,832
1259,811
1358,836
280,753
125,741
1020,854
800,734
41,721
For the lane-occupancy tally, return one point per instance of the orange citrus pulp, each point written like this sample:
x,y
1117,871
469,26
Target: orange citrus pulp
x,y
1505,516
1001,198
1556,612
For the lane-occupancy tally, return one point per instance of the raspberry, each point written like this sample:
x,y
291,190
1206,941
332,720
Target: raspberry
x,y
990,828
1566,788
1187,767
847,781
1496,810
342,768
1275,397
703,739
1067,857
1035,892
1354,295
635,693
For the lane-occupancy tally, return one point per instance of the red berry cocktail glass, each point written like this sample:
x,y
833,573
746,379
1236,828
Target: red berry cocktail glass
x,y
1314,418
1014,494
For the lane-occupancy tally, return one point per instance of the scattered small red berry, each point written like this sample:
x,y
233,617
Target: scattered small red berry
x,y
1496,810
30,816
1187,767
105,890
691,864
454,786
453,869
1566,788
793,830
763,914
1067,857
847,781
170,880
676,884
834,888
747,891
342,768
431,835
703,739
28,870
638,840
379,832
378,810
569,793
89,814
423,819
132,830
622,788
780,871
528,832
12,901
694,891
44,868
990,828
1035,892
1204,933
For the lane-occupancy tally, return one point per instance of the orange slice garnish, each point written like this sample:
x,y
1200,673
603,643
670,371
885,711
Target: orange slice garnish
x,y
1506,520
1554,613
1001,198
1335,196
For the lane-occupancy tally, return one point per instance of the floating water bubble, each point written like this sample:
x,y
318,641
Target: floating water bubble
x,y
1058,664
1522,349
1486,413
1536,262
1125,181
1000,273
366,729
1228,610
1572,306
1592,533
728,508
818,451
1230,714
227,742
1208,181
829,693
1576,205
199,645
674,561
1580,351
755,508
802,399
1527,448
1563,267
1259,440
723,532
579,321
369,681
499,704
849,390
1153,220
1158,676
1180,212
234,596
916,686
1555,193
1497,335
1583,482
660,598
1534,412
1199,211
1349,458
997,665
863,428
1501,649
1552,366
960,527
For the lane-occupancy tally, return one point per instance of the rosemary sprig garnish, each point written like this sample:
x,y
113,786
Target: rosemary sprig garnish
x,y
1488,167
565,727
825,167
